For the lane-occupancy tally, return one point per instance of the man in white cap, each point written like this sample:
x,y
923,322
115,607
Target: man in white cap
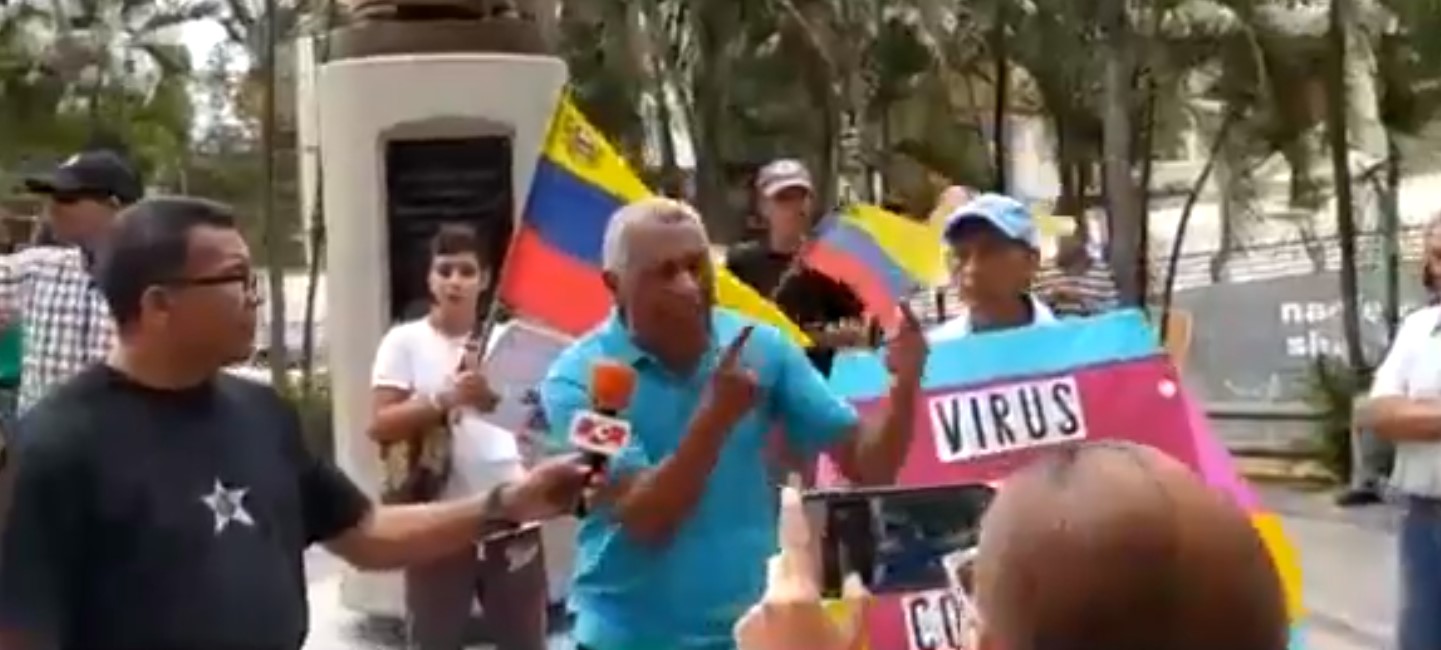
x,y
993,246
826,308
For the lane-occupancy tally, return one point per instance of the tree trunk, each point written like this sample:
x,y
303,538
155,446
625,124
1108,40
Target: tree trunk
x,y
312,287
1147,75
1147,150
999,147
1390,238
831,127
662,79
709,93
274,235
669,167
1123,211
1340,168
1179,239
1069,203
1240,202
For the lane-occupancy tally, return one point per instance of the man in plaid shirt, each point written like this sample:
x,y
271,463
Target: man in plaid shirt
x,y
48,289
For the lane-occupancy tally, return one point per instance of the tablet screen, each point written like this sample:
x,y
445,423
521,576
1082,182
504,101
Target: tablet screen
x,y
897,540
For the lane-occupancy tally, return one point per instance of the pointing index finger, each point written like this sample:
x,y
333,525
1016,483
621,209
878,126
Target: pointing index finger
x,y
793,529
733,351
908,317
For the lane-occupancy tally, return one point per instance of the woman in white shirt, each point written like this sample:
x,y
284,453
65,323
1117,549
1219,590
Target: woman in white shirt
x,y
426,376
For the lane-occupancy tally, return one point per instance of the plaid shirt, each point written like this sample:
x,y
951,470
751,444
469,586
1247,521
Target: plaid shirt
x,y
66,321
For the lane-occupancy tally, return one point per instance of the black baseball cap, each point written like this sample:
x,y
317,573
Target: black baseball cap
x,y
91,173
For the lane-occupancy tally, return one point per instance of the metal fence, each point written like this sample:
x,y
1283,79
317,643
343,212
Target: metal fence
x,y
1256,334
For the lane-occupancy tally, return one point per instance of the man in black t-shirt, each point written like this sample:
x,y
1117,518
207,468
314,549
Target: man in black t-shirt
x,y
162,504
826,308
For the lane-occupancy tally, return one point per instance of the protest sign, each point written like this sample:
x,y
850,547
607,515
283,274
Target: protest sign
x,y
991,402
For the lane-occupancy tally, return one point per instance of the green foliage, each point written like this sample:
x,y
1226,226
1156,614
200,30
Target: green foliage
x,y
1332,391
101,74
600,44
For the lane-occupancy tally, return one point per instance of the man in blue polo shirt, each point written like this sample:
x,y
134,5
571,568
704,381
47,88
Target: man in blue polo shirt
x,y
675,547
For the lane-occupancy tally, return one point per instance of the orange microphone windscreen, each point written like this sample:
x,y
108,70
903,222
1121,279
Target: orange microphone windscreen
x,y
611,384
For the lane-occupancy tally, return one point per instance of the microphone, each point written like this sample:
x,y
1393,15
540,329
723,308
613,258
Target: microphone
x,y
599,433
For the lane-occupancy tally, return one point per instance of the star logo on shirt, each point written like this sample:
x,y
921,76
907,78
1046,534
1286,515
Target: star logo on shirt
x,y
228,505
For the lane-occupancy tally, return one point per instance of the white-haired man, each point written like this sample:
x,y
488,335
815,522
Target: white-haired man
x,y
674,549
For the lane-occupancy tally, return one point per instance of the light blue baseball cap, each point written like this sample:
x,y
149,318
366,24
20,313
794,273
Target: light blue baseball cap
x,y
1007,215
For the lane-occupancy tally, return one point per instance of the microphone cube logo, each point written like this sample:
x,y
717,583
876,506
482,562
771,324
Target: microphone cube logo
x,y
601,434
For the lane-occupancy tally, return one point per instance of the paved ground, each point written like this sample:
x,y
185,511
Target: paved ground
x,y
1348,563
1348,568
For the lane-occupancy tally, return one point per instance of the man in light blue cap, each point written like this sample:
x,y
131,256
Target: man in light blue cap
x,y
993,254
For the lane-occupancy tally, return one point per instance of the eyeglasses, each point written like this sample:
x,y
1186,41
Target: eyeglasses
x,y
247,279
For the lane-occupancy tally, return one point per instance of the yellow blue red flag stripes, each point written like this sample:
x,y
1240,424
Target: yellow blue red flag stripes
x,y
553,273
882,256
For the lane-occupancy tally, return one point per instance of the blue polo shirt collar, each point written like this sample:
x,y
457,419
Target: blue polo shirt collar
x,y
615,338
618,344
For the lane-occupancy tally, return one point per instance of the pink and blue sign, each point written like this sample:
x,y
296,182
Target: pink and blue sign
x,y
991,402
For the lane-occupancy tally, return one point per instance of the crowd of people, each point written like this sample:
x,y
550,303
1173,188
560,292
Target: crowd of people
x,y
159,503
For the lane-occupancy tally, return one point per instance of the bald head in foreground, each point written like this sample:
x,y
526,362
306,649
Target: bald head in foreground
x,y
1115,546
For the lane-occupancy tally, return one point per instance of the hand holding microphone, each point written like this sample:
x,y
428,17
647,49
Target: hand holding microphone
x,y
600,433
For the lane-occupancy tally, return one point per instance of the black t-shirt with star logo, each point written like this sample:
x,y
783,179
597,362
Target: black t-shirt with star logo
x,y
144,519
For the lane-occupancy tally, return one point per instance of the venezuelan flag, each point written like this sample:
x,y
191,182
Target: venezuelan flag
x,y
553,272
881,255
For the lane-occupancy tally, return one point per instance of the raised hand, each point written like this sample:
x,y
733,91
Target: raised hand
x,y
791,615
733,389
907,350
